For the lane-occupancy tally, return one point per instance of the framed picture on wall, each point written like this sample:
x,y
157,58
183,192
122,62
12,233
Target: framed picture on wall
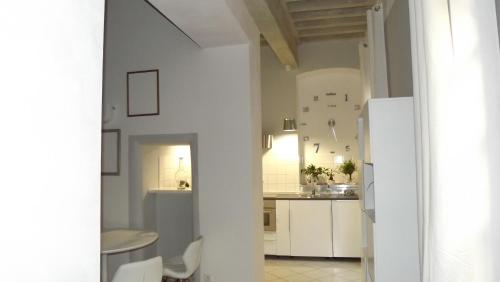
x,y
110,148
143,93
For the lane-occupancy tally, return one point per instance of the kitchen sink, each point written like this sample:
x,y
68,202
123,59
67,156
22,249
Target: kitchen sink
x,y
308,195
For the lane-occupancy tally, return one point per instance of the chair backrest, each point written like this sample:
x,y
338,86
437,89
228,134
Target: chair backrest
x,y
150,270
192,255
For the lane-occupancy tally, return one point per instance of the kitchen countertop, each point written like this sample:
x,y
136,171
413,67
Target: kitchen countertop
x,y
307,196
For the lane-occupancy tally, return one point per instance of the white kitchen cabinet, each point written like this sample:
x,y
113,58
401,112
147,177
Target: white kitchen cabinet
x,y
283,227
270,243
346,231
311,228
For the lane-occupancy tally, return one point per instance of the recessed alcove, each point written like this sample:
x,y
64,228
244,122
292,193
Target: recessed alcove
x,y
166,167
156,202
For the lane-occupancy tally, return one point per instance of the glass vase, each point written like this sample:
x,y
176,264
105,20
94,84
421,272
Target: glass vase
x,y
181,176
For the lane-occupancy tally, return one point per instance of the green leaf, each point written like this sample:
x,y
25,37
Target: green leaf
x,y
348,167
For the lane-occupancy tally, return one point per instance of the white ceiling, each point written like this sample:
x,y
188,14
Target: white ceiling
x,y
209,23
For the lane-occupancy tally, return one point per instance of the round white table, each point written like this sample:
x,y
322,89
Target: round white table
x,y
123,240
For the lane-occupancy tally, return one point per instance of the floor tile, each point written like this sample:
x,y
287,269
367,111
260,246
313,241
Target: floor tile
x,y
318,273
312,269
350,275
282,272
332,279
297,278
268,277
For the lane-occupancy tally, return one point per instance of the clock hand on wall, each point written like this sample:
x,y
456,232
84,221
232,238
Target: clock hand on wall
x,y
331,124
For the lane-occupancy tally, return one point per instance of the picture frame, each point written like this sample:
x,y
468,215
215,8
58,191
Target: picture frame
x,y
143,93
111,151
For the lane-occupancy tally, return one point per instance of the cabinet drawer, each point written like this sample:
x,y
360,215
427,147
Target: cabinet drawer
x,y
269,247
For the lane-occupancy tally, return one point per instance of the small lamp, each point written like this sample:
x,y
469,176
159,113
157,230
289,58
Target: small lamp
x,y
289,125
267,141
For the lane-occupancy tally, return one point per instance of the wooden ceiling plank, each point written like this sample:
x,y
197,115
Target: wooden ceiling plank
x,y
328,14
327,5
305,18
333,37
329,31
289,21
330,21
270,18
330,25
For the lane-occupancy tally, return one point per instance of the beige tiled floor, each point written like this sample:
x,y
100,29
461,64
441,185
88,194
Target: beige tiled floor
x,y
318,270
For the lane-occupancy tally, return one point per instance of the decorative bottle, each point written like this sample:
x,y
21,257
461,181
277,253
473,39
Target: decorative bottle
x,y
181,176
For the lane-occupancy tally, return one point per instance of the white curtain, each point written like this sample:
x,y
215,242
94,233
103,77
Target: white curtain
x,y
456,63
376,63
364,66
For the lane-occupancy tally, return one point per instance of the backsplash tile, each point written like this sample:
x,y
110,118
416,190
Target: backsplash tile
x,y
280,165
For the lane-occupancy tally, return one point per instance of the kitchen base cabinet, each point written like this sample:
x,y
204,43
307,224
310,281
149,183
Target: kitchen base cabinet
x,y
316,228
283,228
346,231
311,228
270,243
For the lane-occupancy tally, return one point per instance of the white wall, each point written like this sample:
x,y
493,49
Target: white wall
x,y
205,22
171,215
50,87
398,49
279,100
279,91
149,167
313,116
213,92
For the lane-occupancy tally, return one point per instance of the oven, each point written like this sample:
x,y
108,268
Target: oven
x,y
269,215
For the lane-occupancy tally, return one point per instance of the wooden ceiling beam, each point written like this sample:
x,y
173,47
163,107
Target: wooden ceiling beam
x,y
333,37
304,6
270,17
328,14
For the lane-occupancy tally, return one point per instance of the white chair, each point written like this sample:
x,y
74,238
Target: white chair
x,y
183,267
142,271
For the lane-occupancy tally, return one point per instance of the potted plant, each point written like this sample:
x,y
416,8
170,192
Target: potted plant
x,y
313,173
330,172
315,176
348,168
